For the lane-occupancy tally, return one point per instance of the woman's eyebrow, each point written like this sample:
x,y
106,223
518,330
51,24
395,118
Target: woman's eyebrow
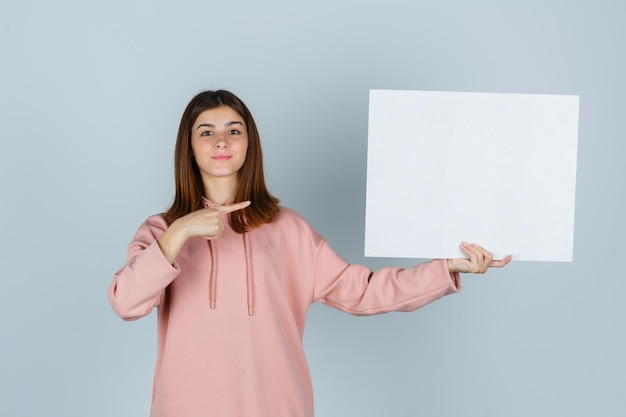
x,y
234,122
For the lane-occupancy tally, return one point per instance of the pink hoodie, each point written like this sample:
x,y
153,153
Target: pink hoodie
x,y
231,312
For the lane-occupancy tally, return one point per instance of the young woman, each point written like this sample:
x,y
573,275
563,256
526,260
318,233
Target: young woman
x,y
233,275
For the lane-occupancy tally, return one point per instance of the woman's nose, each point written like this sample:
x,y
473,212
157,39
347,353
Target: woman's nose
x,y
221,141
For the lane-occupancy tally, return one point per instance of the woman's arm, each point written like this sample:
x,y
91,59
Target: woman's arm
x,y
360,291
207,222
138,286
151,263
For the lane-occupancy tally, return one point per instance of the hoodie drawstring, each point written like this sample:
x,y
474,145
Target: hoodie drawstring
x,y
213,278
249,278
249,281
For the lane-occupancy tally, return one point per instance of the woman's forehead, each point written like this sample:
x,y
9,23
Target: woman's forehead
x,y
219,116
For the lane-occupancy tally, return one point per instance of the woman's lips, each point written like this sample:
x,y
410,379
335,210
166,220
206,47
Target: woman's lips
x,y
221,157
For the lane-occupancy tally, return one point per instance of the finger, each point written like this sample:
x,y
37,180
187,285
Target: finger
x,y
473,255
219,231
232,207
485,257
472,251
484,252
479,259
501,263
467,248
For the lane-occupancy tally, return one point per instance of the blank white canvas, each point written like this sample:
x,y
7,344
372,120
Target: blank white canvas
x,y
494,169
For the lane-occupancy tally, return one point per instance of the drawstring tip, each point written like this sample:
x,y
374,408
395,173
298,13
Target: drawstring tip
x,y
250,311
212,304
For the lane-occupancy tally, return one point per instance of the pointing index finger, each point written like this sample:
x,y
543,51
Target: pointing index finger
x,y
232,207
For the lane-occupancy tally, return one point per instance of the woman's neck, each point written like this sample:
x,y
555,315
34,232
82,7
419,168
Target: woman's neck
x,y
220,190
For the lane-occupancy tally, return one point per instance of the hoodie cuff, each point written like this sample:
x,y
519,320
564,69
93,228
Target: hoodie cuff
x,y
155,252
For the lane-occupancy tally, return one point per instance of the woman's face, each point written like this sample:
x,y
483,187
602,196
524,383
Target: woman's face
x,y
219,140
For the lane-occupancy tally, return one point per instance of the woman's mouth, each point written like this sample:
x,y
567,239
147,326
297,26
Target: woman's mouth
x,y
221,157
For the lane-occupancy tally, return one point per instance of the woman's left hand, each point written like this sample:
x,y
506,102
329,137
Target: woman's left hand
x,y
480,260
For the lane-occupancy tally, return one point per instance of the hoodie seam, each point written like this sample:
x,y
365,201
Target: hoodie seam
x,y
315,275
389,306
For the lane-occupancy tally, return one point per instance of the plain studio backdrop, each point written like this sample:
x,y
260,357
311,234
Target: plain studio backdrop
x,y
91,94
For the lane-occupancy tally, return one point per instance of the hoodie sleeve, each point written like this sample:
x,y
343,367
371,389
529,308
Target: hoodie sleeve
x,y
357,290
139,286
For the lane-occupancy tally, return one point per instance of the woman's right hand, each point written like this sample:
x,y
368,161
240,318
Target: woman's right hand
x,y
207,222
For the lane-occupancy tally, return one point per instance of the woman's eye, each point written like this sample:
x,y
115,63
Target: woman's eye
x,y
207,133
235,132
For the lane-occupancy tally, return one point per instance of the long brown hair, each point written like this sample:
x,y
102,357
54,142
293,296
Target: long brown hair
x,y
251,183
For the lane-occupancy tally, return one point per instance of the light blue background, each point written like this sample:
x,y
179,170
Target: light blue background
x,y
90,99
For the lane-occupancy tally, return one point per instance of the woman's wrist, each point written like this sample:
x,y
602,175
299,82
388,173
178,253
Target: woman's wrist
x,y
172,240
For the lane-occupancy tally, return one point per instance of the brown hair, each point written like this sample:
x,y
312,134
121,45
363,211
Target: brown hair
x,y
251,184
